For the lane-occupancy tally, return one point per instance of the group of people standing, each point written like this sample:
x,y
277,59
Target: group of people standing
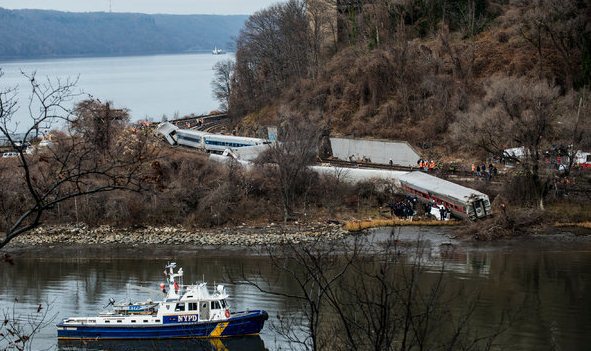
x,y
405,208
480,170
426,165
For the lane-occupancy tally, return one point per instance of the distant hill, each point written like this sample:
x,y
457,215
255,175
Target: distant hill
x,y
39,33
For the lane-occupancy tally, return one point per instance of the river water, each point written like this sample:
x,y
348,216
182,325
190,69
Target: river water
x,y
546,283
149,86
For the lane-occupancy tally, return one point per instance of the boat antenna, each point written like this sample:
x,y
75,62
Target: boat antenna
x,y
111,302
110,6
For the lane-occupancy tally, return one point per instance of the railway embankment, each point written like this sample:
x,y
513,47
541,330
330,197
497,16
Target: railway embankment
x,y
240,236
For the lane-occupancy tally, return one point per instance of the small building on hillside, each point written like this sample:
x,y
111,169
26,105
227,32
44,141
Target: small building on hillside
x,y
401,153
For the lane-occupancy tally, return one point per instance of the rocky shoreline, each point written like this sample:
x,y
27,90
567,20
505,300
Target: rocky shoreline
x,y
236,236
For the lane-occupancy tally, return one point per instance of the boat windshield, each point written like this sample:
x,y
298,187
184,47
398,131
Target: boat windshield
x,y
223,302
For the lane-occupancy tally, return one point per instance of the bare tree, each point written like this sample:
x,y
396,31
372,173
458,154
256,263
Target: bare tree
x,y
315,268
98,123
272,51
70,166
515,112
296,150
574,126
323,19
17,331
355,294
222,82
560,26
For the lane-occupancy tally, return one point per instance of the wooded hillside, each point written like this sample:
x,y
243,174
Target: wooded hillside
x,y
409,70
38,33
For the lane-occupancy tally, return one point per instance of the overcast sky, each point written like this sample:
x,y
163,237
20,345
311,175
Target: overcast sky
x,y
221,7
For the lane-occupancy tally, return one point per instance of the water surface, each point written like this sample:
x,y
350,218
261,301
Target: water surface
x,y
149,86
545,285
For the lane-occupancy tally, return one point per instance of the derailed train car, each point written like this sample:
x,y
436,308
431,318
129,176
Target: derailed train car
x,y
463,202
202,140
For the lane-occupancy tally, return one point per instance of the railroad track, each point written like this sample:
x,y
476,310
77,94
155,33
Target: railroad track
x,y
342,163
202,123
438,172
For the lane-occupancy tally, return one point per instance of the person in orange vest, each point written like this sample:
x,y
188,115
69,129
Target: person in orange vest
x,y
432,165
473,168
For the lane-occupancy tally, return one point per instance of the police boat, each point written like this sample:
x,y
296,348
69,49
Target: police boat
x,y
187,311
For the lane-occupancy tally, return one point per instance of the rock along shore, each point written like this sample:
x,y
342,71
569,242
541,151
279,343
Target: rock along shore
x,y
272,234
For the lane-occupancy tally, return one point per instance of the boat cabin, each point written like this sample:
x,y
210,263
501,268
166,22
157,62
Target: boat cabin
x,y
195,304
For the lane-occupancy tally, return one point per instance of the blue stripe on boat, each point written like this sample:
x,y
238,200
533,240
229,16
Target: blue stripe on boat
x,y
241,323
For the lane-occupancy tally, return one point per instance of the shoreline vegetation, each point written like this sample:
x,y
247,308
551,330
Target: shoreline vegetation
x,y
364,224
248,235
584,225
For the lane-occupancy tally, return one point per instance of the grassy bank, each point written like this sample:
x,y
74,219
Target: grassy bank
x,y
359,225
585,225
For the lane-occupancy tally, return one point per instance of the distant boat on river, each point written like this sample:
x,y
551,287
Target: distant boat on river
x,y
217,51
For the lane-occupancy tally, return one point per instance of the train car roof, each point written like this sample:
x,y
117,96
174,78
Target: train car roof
x,y
232,137
166,128
440,186
192,132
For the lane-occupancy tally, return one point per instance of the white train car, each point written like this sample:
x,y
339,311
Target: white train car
x,y
203,140
463,202
167,131
191,138
219,143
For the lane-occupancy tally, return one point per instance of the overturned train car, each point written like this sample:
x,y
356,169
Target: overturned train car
x,y
209,142
463,202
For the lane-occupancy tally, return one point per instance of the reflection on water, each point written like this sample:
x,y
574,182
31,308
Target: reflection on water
x,y
547,284
80,284
437,249
246,343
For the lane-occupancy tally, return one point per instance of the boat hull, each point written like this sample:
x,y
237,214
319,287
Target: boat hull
x,y
247,323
